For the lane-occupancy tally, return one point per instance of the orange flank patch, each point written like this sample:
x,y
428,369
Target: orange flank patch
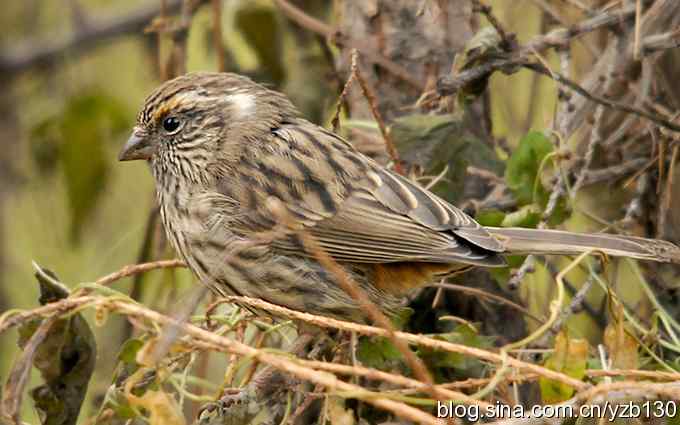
x,y
399,278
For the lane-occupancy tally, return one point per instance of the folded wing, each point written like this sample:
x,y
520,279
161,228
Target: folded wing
x,y
383,217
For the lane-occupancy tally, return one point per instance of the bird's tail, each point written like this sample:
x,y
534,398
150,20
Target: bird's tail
x,y
535,241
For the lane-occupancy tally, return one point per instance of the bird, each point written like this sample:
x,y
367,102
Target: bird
x,y
232,159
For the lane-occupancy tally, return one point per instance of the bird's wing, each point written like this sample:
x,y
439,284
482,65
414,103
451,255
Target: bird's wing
x,y
357,210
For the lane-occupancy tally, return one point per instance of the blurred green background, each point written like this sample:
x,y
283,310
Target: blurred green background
x,y
68,205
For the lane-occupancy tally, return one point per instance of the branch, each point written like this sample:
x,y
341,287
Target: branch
x,y
613,172
421,340
369,94
520,57
657,42
557,38
98,29
657,119
316,26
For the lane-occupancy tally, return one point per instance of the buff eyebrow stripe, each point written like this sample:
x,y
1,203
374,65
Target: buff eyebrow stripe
x,y
154,101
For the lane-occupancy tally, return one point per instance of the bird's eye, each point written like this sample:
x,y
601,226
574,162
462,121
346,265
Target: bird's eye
x,y
171,124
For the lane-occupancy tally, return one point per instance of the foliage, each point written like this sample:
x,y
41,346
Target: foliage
x,y
76,133
473,147
524,166
65,357
570,357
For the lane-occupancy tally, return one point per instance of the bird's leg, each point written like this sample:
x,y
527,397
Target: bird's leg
x,y
246,402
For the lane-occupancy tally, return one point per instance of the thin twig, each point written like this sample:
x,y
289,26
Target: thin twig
x,y
208,339
345,281
449,85
635,207
619,106
369,94
335,122
67,305
326,322
638,21
660,42
217,33
527,267
13,392
374,374
134,269
321,28
484,294
180,36
99,29
508,39
613,172
596,136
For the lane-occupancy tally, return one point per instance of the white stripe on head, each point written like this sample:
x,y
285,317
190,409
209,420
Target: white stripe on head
x,y
244,103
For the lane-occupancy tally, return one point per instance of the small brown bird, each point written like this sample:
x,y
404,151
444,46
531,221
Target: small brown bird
x,y
221,147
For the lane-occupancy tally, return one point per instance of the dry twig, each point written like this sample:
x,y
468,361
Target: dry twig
x,y
369,94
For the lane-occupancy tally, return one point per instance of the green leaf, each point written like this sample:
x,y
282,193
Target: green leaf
x,y
523,167
463,365
377,352
492,217
128,352
401,318
502,274
434,143
570,357
124,410
44,143
87,122
527,216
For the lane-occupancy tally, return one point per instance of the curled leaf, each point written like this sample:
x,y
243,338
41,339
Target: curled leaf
x,y
620,342
570,357
63,350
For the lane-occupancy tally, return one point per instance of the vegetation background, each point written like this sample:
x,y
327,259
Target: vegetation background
x,y
66,204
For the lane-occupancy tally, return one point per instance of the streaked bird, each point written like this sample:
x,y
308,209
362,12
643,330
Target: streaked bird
x,y
221,147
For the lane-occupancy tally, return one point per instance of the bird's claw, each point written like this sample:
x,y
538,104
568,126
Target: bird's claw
x,y
236,404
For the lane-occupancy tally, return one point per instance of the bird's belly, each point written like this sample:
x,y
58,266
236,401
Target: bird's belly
x,y
232,265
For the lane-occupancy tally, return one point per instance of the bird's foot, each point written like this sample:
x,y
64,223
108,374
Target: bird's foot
x,y
235,406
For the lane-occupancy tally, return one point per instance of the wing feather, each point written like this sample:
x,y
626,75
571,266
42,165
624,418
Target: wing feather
x,y
357,210
367,231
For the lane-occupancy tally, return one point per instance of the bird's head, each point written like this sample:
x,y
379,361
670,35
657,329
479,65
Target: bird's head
x,y
190,122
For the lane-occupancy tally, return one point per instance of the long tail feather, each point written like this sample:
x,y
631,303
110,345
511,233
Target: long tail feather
x,y
534,241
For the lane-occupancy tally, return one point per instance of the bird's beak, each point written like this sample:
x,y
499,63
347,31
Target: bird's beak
x,y
137,147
